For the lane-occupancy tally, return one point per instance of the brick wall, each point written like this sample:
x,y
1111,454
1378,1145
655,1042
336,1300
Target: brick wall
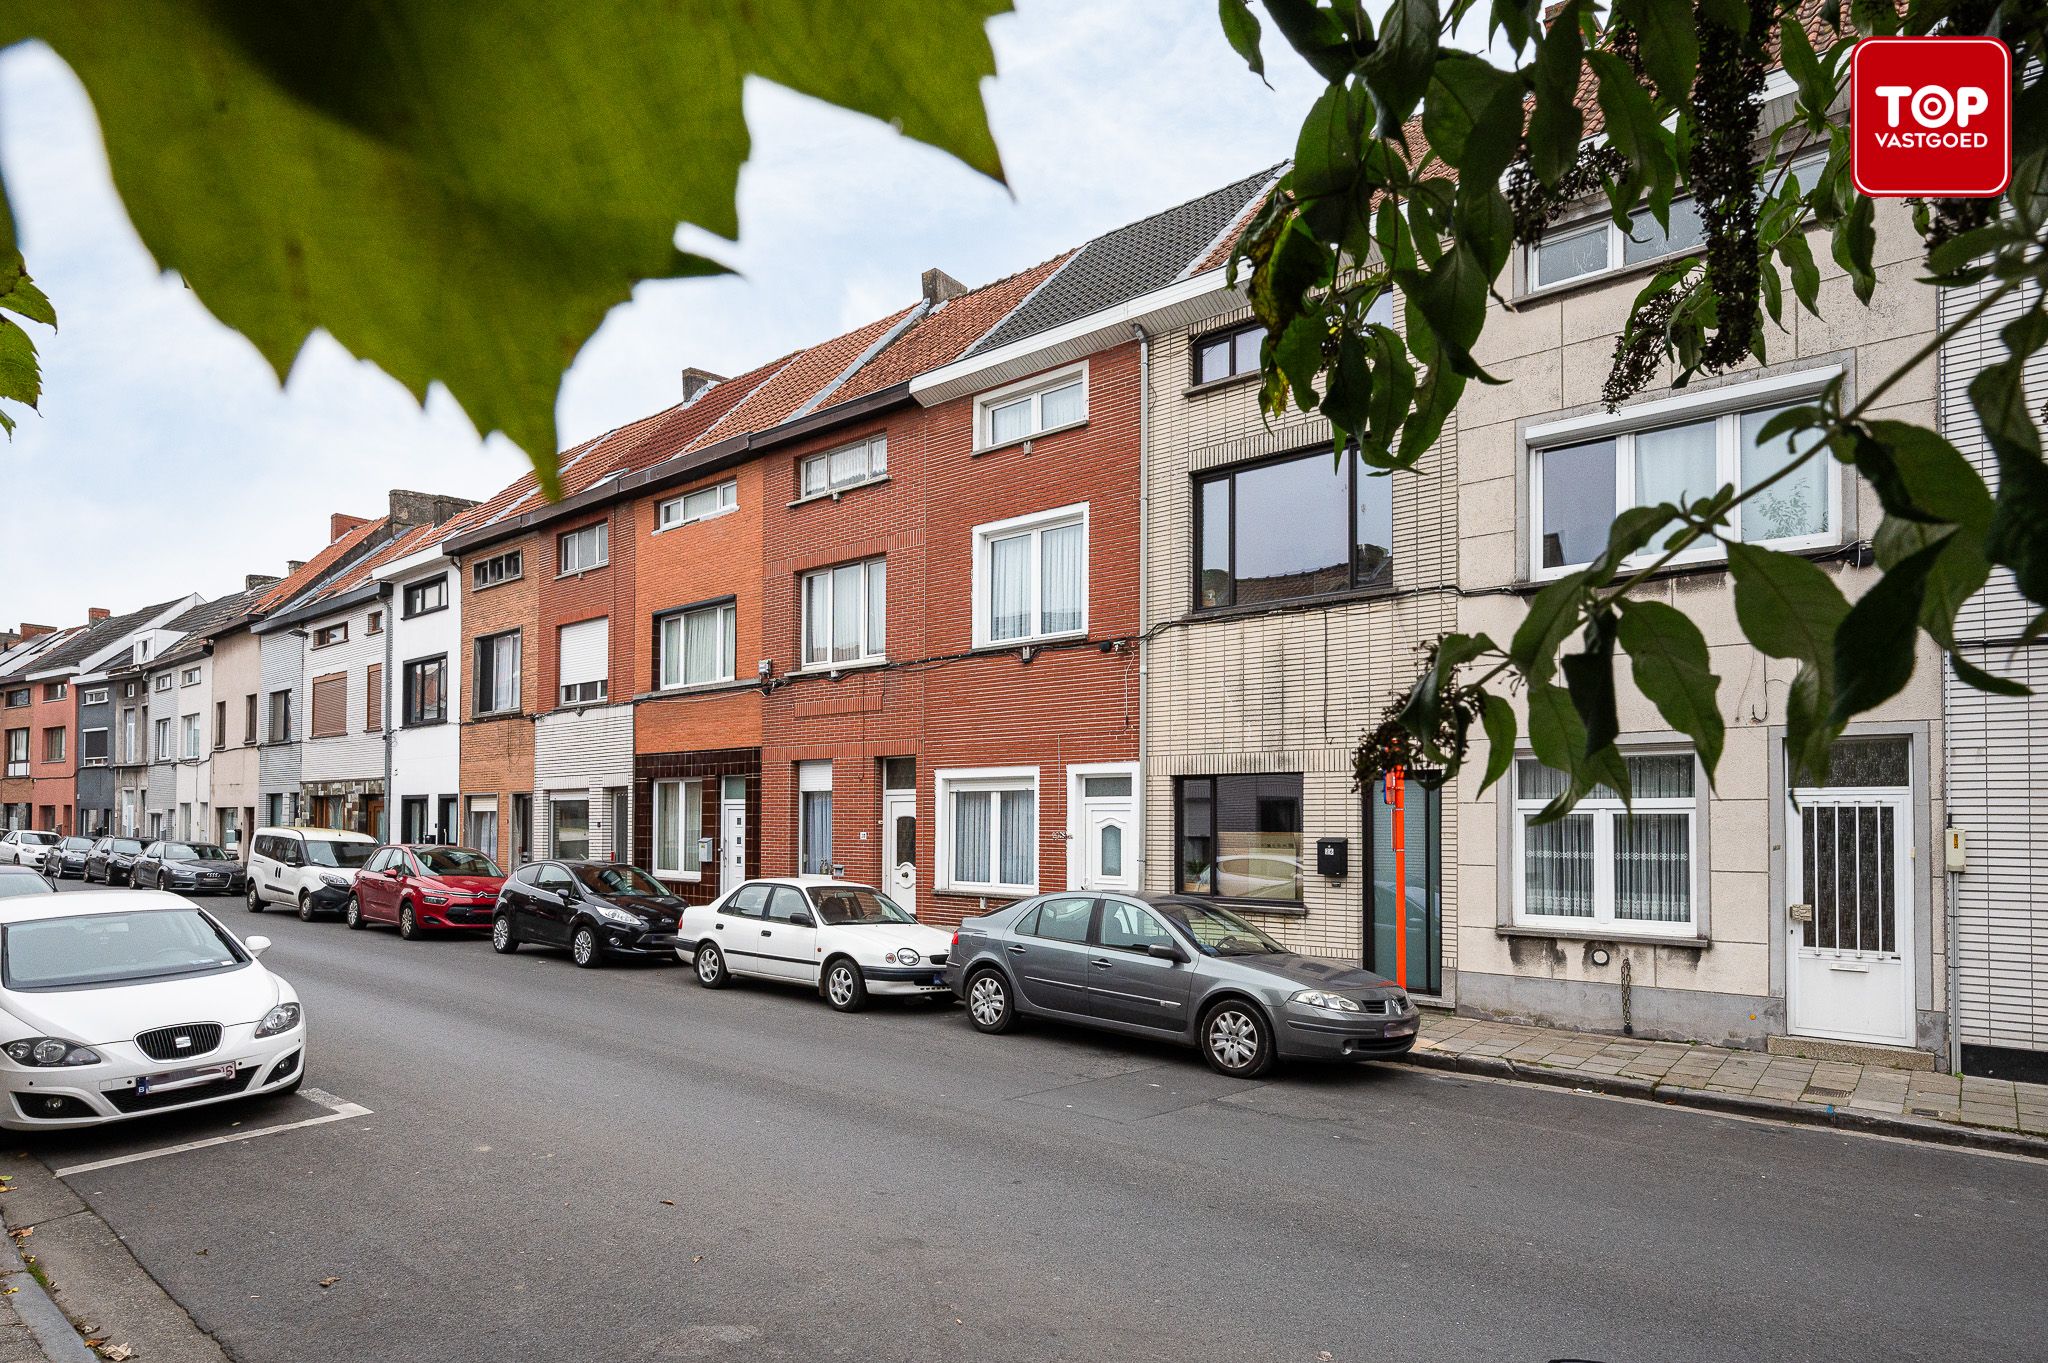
x,y
497,751
55,782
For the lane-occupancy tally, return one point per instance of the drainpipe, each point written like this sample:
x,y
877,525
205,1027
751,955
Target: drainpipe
x,y
1950,913
391,717
1144,562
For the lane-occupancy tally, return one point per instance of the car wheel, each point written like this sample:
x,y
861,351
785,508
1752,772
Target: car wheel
x,y
408,923
988,1002
1236,1040
305,907
844,987
583,948
711,971
502,940
255,899
353,914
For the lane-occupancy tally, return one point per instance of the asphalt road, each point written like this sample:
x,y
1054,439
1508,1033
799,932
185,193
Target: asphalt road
x,y
602,1165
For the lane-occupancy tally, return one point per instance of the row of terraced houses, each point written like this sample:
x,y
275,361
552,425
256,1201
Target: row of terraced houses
x,y
1015,590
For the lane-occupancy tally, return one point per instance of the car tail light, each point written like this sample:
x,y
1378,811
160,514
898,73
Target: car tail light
x,y
956,939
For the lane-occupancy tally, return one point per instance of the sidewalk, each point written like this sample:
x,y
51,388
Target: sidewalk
x,y
1992,1114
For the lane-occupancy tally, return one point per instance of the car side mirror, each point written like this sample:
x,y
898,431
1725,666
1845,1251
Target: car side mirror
x,y
803,919
1166,951
256,946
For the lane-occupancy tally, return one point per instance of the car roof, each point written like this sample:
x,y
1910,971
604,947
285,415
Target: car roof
x,y
85,905
811,882
10,869
342,834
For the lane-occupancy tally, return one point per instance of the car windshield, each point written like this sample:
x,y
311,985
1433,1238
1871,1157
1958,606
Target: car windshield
x,y
126,846
112,948
842,904
76,844
609,880
1217,932
194,851
26,882
340,854
456,861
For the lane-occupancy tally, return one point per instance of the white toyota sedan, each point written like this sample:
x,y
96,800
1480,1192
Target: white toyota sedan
x,y
844,940
127,1002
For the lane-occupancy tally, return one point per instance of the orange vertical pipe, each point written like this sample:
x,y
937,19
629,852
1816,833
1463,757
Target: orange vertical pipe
x,y
1396,803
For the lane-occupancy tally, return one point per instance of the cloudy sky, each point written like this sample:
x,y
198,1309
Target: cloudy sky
x,y
166,459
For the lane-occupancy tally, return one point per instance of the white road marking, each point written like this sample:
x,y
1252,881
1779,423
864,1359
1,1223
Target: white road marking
x,y
338,1111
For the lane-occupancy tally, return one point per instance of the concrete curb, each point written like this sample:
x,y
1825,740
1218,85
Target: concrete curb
x,y
1739,1104
55,1335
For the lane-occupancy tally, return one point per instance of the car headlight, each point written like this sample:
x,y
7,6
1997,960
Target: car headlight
x,y
338,882
45,1051
436,898
623,917
282,1018
1322,998
903,956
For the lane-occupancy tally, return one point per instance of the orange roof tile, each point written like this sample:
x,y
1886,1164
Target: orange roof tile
x,y
317,567
944,334
413,540
804,377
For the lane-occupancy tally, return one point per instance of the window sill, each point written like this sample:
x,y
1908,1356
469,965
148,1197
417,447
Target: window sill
x,y
1613,274
711,688
585,571
1857,552
833,494
1285,908
1070,636
424,723
1024,441
414,615
1592,934
496,714
827,669
493,586
1347,597
987,891
1202,390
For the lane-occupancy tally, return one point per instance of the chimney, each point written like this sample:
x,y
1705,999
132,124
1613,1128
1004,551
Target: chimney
x,y
410,510
697,382
8,639
340,523
29,631
255,580
96,614
292,565
939,286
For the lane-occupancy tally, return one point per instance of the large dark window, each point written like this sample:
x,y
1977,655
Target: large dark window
x,y
422,597
1421,898
1310,525
1240,837
426,692
1228,353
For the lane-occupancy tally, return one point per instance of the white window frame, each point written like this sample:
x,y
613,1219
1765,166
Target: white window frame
x,y
728,646
670,514
193,739
160,749
599,533
164,681
1035,525
101,761
687,838
494,638
877,468
595,690
190,676
948,782
1725,405
1606,811
509,566
338,630
869,654
94,696
420,589
1034,388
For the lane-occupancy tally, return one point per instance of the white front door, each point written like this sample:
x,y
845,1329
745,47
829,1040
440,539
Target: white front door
x,y
1106,847
1850,924
899,845
732,834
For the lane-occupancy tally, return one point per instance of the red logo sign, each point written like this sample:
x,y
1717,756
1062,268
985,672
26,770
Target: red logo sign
x,y
1930,117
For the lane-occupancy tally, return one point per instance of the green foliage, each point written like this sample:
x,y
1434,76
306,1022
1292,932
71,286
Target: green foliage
x,y
1372,206
459,193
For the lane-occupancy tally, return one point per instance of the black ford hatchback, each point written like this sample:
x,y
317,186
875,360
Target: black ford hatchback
x,y
597,909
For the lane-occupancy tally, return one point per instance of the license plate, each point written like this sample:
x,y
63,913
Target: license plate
x,y
1404,1028
183,1079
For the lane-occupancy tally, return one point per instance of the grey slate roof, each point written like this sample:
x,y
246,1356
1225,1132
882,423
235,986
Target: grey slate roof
x,y
206,619
93,638
1132,260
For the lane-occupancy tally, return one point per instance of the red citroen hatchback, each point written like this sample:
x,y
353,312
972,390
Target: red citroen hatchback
x,y
425,888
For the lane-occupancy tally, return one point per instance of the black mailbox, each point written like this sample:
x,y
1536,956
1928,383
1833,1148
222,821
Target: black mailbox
x,y
1333,857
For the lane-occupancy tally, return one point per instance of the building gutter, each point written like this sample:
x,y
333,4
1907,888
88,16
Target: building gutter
x,y
1144,578
325,606
681,468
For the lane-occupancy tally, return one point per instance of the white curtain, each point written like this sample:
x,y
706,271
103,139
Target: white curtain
x,y
1792,508
1653,868
1019,838
847,612
1009,587
672,665
1062,556
1558,867
817,618
971,836
701,653
1677,465
667,826
505,673
878,607
1011,421
1062,406
817,832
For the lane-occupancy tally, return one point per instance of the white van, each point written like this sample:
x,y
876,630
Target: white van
x,y
311,868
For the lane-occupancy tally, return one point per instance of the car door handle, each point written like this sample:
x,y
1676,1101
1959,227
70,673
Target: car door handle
x,y
718,927
767,932
1016,951
1100,963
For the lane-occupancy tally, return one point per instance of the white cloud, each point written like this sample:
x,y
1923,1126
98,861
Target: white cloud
x,y
166,459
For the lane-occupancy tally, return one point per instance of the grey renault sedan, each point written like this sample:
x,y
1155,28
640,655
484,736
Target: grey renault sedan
x,y
1169,965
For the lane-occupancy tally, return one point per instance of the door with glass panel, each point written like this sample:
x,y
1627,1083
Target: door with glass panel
x,y
1109,819
1850,930
899,844
732,833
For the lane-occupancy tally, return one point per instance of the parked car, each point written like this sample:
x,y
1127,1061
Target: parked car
x,y
1174,966
25,847
20,880
597,909
425,886
66,857
311,868
112,860
189,868
842,939
119,1004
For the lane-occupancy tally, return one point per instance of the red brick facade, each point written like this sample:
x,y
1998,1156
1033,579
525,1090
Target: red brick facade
x,y
497,750
56,782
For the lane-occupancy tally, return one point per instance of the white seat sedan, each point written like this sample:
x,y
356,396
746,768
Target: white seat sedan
x,y
844,940
128,1002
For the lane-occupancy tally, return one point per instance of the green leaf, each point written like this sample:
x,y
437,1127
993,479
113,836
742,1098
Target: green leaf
x,y
1472,116
1816,87
1634,127
1787,607
1589,676
1668,42
19,295
460,193
1498,717
1855,242
1874,642
1452,299
1399,68
1241,29
1973,675
1552,613
1797,253
21,378
1318,34
1960,569
1326,154
1558,739
1809,734
1668,658
1556,124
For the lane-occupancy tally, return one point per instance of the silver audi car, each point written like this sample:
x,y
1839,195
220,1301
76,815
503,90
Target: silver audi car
x,y
1170,965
